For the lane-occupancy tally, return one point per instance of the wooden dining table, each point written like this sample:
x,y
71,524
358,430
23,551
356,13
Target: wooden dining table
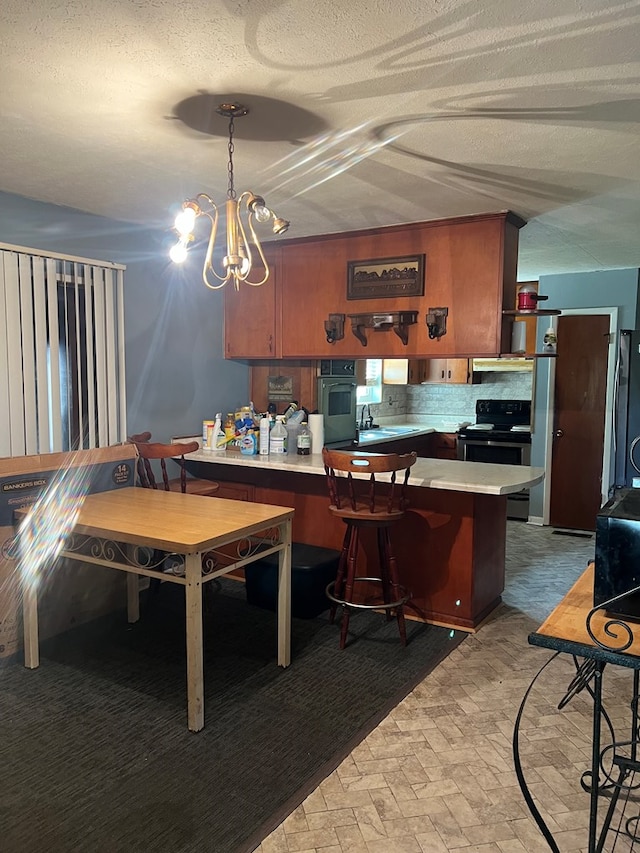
x,y
180,538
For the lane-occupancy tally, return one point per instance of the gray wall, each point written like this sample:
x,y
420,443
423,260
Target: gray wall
x,y
601,289
176,373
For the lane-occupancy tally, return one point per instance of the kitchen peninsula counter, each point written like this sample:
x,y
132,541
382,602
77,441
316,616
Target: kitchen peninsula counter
x,y
478,477
450,544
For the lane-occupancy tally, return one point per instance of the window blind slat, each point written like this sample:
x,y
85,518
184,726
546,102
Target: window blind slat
x,y
101,366
121,359
14,355
5,426
40,337
110,331
55,398
90,333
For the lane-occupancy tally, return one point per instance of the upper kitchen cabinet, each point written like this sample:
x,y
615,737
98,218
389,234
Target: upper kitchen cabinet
x,y
419,371
469,269
448,371
251,321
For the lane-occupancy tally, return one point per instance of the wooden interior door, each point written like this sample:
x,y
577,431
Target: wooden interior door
x,y
578,421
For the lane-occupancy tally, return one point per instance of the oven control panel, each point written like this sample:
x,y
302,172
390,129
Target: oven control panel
x,y
337,367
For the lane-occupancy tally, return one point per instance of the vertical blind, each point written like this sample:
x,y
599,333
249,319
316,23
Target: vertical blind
x,y
62,379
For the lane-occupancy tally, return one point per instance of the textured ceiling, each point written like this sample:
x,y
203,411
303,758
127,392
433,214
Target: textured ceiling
x,y
363,113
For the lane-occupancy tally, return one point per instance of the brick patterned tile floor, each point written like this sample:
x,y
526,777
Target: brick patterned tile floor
x,y
437,774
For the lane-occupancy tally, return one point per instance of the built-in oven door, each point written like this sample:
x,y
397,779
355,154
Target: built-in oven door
x,y
337,402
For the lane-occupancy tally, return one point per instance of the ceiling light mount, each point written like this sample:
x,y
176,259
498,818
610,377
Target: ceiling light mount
x,y
232,110
238,261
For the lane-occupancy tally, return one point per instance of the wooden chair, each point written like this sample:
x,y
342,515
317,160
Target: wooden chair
x,y
148,451
367,498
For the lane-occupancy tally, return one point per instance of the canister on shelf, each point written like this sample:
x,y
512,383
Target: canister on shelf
x,y
519,337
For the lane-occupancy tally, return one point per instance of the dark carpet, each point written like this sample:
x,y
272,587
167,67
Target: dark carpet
x,y
96,754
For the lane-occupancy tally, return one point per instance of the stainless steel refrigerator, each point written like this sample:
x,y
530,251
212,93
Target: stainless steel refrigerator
x,y
627,410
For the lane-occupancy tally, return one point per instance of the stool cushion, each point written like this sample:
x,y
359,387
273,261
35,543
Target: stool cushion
x,y
312,568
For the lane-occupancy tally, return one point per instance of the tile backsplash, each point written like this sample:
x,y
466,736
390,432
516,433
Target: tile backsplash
x,y
457,402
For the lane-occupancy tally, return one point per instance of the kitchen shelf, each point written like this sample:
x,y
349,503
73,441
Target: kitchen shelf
x,y
539,312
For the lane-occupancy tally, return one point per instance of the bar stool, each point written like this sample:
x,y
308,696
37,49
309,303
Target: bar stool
x,y
362,501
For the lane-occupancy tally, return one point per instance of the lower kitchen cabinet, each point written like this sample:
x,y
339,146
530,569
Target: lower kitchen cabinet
x,y
236,491
422,445
444,445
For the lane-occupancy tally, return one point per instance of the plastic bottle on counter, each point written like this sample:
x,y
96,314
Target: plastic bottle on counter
x,y
217,441
248,443
304,440
230,426
292,428
265,426
290,410
278,436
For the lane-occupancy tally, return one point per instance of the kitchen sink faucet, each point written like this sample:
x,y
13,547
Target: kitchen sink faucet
x,y
365,423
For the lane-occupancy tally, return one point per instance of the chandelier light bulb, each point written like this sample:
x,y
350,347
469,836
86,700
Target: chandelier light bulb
x,y
178,253
185,221
262,213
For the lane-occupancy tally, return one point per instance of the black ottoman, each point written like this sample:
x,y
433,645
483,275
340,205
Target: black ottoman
x,y
312,568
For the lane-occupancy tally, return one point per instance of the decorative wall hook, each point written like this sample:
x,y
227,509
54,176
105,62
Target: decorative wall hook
x,y
437,322
396,320
334,328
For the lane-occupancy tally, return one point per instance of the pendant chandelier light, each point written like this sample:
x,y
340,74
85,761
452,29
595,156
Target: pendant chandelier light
x,y
238,261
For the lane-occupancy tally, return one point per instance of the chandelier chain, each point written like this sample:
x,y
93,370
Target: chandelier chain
x,y
231,193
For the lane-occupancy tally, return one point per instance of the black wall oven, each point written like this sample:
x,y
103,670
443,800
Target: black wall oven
x,y
502,436
337,389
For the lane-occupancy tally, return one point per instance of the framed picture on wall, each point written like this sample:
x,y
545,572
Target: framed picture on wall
x,y
381,277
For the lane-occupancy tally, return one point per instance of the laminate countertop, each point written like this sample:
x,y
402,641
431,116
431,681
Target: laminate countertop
x,y
477,477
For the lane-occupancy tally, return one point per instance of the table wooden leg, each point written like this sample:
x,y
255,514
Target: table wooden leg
x,y
29,591
30,625
195,658
133,597
284,597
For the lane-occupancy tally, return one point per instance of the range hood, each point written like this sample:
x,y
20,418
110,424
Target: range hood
x,y
511,365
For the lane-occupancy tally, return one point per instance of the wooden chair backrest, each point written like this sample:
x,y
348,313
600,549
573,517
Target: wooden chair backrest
x,y
360,493
139,438
148,450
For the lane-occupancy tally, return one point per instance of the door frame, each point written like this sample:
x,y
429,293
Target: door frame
x,y
608,420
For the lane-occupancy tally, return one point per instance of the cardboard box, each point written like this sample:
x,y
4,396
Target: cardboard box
x,y
70,592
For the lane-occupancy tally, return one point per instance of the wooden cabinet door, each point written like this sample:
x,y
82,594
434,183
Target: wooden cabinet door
x,y
250,319
435,370
445,445
458,372
451,371
417,371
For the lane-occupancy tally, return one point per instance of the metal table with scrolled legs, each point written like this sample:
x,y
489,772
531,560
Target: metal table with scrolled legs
x,y
138,531
595,640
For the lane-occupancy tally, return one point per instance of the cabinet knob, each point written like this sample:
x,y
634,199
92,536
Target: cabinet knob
x,y
558,433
